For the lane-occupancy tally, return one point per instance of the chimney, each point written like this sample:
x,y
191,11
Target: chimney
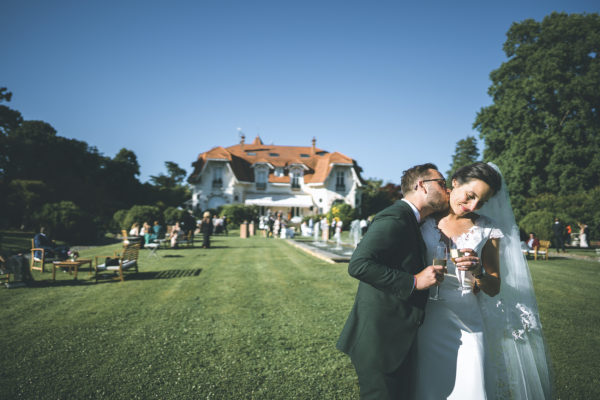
x,y
242,138
314,143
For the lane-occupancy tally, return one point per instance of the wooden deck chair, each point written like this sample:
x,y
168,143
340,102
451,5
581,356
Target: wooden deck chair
x,y
39,258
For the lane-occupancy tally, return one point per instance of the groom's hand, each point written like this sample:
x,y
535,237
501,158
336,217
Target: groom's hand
x,y
429,277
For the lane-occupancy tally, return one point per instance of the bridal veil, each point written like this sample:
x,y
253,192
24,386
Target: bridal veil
x,y
517,364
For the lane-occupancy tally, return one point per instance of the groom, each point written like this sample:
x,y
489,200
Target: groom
x,y
389,306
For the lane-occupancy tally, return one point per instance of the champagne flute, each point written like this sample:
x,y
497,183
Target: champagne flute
x,y
463,284
439,258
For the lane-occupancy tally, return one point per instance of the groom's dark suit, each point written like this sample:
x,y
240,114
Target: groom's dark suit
x,y
381,328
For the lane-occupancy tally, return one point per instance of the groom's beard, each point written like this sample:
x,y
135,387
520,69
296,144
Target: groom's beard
x,y
437,201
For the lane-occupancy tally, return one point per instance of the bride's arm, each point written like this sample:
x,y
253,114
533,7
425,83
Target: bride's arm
x,y
490,258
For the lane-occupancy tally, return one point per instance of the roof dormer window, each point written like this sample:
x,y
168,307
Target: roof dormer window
x,y
274,154
303,155
250,153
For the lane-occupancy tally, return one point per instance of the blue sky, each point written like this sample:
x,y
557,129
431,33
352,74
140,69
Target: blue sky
x,y
388,83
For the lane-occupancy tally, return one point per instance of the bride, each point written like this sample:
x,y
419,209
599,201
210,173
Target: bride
x,y
482,339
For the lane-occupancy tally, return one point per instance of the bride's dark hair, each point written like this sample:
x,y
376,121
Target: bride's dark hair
x,y
481,171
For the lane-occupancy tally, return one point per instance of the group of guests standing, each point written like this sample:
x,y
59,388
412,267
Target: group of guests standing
x,y
185,228
563,234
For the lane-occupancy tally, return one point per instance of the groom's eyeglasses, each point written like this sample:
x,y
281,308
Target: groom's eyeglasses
x,y
442,181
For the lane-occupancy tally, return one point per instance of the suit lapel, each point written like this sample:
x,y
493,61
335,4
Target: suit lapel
x,y
417,231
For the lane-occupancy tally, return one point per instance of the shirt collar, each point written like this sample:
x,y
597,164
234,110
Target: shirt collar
x,y
414,209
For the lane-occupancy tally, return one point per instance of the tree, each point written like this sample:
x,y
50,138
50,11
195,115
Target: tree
x,y
127,162
170,189
66,221
376,196
543,127
9,120
23,199
175,176
465,153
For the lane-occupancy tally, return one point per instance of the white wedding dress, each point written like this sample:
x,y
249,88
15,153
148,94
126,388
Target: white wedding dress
x,y
481,347
451,341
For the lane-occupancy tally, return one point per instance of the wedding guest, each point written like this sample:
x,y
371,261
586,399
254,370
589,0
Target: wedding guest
x,y
533,242
189,223
363,226
51,249
135,230
175,232
225,230
559,232
338,227
583,235
206,228
277,226
145,229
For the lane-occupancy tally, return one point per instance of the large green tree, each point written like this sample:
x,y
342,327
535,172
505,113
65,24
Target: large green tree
x,y
543,128
170,189
465,153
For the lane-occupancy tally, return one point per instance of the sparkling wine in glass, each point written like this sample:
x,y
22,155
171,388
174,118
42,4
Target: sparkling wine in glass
x,y
439,258
463,284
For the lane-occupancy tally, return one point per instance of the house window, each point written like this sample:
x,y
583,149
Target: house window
x,y
261,179
278,171
295,181
217,177
340,184
295,176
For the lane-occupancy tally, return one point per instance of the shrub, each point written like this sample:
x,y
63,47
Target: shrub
x,y
66,221
571,208
343,211
540,222
117,220
173,214
238,213
315,218
141,214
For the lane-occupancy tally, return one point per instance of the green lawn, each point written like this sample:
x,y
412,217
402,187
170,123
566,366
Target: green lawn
x,y
253,318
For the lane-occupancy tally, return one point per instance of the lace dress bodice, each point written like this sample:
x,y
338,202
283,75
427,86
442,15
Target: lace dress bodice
x,y
475,238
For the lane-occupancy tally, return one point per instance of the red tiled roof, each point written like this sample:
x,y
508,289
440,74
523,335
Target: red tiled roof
x,y
243,156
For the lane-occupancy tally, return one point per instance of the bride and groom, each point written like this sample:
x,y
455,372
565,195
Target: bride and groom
x,y
481,338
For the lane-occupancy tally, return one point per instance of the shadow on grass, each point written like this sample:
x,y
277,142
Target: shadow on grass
x,y
107,278
168,274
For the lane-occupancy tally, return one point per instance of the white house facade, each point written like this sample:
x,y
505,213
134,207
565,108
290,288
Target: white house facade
x,y
296,180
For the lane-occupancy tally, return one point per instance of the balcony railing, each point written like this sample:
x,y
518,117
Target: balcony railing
x,y
217,183
340,188
261,185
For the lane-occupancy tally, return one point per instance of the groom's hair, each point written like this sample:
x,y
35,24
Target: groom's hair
x,y
411,176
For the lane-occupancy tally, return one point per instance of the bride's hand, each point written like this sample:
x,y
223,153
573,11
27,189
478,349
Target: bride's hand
x,y
469,262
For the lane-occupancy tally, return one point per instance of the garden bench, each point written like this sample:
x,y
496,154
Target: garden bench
x,y
541,250
128,260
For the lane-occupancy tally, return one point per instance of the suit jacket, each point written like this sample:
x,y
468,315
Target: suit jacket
x,y
383,322
558,229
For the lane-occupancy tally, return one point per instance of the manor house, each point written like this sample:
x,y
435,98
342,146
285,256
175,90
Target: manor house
x,y
296,180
